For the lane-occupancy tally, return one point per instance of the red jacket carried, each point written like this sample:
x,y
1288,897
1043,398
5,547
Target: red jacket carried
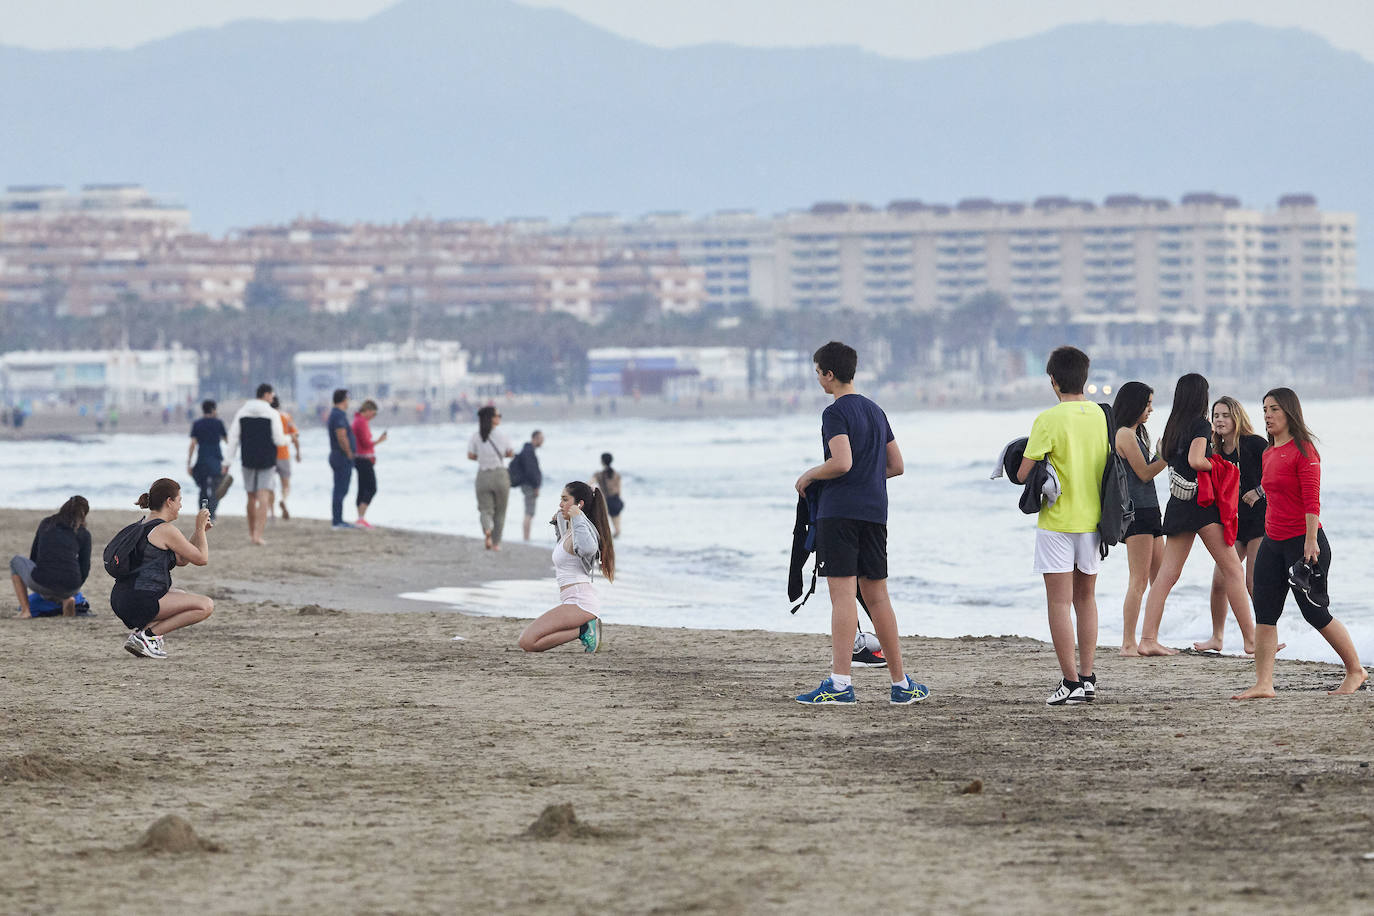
x,y
1221,485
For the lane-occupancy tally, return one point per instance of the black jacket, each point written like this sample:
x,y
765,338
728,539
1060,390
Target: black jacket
x,y
61,556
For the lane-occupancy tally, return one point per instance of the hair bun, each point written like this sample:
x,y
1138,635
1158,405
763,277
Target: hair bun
x,y
142,501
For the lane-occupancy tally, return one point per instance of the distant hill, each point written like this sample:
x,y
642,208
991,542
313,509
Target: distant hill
x,y
486,108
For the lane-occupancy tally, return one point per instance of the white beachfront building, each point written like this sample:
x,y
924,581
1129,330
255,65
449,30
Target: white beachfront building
x,y
112,378
672,372
417,370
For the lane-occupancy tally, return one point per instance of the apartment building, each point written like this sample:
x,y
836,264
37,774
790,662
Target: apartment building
x,y
1130,254
417,370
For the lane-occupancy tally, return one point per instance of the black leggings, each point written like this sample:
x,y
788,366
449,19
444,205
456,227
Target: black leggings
x,y
1272,563
367,480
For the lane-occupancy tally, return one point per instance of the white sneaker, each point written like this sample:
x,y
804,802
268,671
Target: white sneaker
x,y
144,646
1069,693
1089,687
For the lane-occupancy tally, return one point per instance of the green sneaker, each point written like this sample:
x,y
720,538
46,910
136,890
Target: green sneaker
x,y
590,635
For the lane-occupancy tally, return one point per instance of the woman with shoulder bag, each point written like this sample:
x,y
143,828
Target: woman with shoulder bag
x,y
490,448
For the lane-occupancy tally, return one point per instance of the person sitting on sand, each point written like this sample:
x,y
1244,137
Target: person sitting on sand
x,y
1292,480
584,541
145,599
59,559
1187,446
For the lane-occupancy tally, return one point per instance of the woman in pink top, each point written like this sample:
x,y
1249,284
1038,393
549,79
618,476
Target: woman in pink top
x,y
365,459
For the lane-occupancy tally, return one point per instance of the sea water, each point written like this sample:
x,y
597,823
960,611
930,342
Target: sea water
x,y
709,511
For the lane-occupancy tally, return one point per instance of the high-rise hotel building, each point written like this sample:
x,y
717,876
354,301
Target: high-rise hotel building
x,y
1134,255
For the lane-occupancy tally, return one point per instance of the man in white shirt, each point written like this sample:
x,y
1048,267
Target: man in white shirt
x,y
257,429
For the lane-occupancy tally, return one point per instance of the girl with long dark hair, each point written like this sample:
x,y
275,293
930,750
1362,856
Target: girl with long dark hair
x,y
1187,446
59,559
145,600
1145,538
584,543
1293,533
1234,439
490,448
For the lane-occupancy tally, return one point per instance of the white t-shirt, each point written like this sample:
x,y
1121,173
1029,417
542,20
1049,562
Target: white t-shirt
x,y
492,453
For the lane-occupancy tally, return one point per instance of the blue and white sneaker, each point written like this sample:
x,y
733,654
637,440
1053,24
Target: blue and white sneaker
x,y
911,693
827,695
590,635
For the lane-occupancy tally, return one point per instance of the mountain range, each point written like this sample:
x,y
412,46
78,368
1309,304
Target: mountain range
x,y
486,108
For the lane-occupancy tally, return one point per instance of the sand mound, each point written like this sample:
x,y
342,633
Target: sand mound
x,y
314,610
39,766
173,834
558,822
973,788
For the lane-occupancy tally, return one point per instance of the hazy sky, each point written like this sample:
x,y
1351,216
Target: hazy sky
x,y
900,28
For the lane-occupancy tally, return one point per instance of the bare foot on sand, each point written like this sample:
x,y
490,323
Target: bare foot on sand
x,y
487,538
1352,683
1211,645
1129,652
1255,693
1250,649
1151,647
258,542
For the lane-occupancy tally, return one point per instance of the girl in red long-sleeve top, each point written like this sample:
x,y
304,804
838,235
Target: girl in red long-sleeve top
x,y
1292,532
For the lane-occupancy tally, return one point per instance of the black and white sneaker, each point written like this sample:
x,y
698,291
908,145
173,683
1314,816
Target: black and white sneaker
x,y
1069,693
1089,682
869,658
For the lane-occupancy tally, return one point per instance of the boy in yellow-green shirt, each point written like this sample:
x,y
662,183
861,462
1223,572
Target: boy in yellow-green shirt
x,y
1074,438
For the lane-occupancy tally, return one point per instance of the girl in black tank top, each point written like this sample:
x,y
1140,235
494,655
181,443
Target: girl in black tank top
x,y
146,600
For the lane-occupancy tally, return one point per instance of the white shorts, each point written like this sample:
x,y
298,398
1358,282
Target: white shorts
x,y
1061,552
583,596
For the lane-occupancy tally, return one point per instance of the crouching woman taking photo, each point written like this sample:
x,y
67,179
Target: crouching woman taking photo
x,y
584,542
143,596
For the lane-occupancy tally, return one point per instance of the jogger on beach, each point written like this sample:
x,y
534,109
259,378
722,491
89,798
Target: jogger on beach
x,y
1073,437
851,526
1292,480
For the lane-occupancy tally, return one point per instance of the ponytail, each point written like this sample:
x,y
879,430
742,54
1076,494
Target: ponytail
x,y
594,506
163,489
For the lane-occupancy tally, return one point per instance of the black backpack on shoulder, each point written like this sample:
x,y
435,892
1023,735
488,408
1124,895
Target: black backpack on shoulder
x,y
1118,512
124,552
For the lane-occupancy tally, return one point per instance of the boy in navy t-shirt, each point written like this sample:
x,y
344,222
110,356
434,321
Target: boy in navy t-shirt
x,y
851,525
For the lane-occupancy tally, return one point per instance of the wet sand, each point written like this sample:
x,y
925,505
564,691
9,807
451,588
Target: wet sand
x,y
333,754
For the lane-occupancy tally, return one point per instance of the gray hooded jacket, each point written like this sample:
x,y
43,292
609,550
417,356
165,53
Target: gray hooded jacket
x,y
586,542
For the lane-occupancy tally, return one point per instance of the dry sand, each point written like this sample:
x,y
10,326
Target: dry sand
x,y
327,760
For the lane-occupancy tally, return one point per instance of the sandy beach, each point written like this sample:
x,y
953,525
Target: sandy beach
x,y
336,750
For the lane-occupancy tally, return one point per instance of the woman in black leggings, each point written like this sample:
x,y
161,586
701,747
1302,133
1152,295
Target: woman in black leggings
x,y
1292,532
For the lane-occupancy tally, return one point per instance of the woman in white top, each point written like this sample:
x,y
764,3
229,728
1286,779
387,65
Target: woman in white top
x,y
490,448
584,542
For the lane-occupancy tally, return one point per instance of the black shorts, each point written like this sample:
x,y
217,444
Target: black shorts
x,y
851,547
1250,525
136,608
1147,521
1272,563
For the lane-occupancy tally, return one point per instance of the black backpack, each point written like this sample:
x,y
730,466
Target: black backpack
x,y
516,469
1118,512
124,552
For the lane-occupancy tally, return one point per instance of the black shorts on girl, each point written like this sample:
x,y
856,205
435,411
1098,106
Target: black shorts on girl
x,y
1147,521
1272,563
136,608
851,547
